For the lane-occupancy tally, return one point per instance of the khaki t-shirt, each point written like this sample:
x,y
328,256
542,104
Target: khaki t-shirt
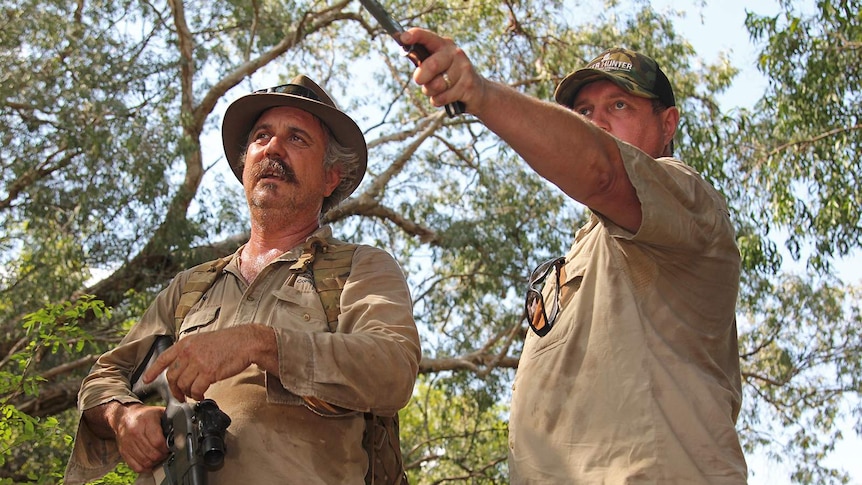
x,y
638,382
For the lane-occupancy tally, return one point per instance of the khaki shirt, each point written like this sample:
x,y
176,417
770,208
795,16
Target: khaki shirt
x,y
638,382
369,363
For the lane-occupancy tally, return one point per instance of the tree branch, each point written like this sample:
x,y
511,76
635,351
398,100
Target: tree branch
x,y
473,362
810,141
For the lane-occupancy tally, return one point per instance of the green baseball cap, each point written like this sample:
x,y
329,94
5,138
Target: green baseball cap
x,y
630,70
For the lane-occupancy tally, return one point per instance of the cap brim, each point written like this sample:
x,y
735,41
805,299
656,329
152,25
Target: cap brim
x,y
569,87
242,114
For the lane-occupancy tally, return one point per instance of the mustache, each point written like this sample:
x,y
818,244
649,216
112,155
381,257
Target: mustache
x,y
271,167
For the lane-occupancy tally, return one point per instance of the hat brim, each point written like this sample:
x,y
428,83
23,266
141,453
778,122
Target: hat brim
x,y
242,114
569,87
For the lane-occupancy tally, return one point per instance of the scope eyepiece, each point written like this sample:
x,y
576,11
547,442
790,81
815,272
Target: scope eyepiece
x,y
212,424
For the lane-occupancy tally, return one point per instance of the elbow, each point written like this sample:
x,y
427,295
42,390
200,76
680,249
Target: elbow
x,y
614,197
397,385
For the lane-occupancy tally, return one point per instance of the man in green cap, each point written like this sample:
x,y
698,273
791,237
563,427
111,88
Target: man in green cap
x,y
630,369
259,340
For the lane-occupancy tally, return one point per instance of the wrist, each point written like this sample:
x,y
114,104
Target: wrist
x,y
263,347
105,420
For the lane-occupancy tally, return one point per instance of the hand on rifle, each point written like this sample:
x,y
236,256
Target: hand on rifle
x,y
138,431
197,361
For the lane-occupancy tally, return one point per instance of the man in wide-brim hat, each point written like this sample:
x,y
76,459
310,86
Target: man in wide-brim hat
x,y
259,339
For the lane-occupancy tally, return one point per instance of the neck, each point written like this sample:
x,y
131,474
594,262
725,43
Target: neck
x,y
267,242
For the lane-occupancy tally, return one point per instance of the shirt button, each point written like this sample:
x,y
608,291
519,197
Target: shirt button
x,y
250,298
306,317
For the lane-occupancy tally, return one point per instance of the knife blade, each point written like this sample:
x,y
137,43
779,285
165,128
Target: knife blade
x,y
415,52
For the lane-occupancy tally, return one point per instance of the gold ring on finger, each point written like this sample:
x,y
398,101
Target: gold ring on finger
x,y
447,80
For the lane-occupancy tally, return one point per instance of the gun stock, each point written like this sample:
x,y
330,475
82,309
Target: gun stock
x,y
194,433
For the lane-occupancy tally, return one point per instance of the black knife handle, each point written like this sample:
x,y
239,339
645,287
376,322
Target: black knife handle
x,y
418,53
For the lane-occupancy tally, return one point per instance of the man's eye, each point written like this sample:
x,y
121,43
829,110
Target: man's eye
x,y
620,105
297,140
584,111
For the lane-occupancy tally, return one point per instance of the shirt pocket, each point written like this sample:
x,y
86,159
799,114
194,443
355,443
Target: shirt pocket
x,y
296,309
570,283
199,320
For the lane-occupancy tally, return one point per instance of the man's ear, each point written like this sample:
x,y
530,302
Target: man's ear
x,y
669,121
332,178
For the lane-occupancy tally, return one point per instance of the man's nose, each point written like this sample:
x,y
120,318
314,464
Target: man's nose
x,y
274,148
600,120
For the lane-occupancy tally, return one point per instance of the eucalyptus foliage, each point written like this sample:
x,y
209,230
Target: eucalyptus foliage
x,y
797,165
113,180
51,330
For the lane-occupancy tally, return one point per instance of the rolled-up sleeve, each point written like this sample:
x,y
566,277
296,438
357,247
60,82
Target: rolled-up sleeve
x,y
108,380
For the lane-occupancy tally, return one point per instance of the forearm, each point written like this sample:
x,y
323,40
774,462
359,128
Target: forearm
x,y
580,158
102,419
263,348
557,143
371,360
359,372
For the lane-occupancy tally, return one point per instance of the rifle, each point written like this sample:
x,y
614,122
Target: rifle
x,y
194,432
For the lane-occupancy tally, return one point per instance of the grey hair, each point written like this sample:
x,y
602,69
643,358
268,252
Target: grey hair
x,y
338,155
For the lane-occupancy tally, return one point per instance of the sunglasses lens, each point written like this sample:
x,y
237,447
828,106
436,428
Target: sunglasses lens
x,y
536,311
541,272
536,315
294,89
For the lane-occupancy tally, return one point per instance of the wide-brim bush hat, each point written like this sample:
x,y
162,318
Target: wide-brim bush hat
x,y
302,93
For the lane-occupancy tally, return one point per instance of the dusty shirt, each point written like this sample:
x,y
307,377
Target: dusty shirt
x,y
369,363
638,382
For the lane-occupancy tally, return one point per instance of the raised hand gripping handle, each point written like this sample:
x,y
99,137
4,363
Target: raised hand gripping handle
x,y
415,52
418,53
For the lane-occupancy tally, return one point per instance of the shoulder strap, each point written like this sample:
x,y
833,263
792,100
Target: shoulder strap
x,y
330,264
201,279
382,442
331,271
